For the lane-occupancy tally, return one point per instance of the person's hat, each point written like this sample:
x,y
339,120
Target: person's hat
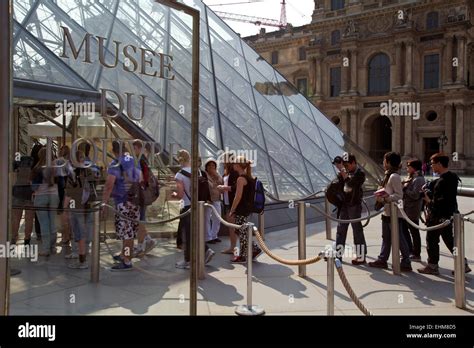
x,y
337,160
209,161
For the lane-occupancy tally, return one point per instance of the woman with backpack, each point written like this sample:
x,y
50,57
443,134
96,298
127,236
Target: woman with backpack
x,y
242,206
122,182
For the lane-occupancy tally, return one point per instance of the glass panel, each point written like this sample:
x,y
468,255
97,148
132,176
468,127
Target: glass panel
x,y
226,33
236,111
267,88
315,155
21,9
319,181
236,140
31,61
288,188
288,157
228,54
272,116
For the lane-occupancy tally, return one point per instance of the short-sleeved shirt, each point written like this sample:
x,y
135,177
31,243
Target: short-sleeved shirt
x,y
121,186
187,185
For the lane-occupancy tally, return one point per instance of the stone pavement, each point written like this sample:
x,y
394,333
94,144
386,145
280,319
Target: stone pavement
x,y
156,287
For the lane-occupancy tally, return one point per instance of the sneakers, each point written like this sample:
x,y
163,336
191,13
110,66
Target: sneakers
x,y
406,268
378,264
415,258
138,252
467,269
182,265
209,255
256,253
429,269
78,265
122,266
118,258
238,259
359,261
71,256
149,245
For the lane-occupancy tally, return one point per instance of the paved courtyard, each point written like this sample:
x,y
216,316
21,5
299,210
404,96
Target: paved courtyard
x,y
156,287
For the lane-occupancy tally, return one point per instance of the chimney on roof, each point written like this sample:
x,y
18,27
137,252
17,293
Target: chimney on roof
x,y
262,31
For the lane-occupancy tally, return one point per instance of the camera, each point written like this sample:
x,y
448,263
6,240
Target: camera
x,y
428,189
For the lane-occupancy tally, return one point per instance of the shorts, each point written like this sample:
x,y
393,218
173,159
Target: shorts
x,y
82,226
124,228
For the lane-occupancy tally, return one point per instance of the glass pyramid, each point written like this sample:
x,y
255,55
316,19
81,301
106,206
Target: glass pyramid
x,y
245,104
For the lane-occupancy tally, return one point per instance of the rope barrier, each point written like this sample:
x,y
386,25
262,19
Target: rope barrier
x,y
469,220
225,223
345,221
431,228
368,212
349,289
281,260
471,212
146,222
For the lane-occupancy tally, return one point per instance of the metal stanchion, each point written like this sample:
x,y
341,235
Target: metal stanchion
x,y
395,234
327,207
330,283
459,266
201,240
301,237
95,254
249,309
261,225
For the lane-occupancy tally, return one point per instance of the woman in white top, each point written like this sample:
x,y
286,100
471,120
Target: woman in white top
x,y
392,185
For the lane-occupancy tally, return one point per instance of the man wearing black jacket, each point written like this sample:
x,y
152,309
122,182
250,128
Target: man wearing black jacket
x,y
353,178
442,204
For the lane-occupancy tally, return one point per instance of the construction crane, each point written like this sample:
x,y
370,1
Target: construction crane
x,y
282,23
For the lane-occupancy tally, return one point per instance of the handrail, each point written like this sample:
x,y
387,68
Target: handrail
x,y
345,221
226,223
313,195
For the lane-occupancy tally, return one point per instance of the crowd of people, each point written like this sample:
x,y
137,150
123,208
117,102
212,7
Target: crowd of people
x,y
68,187
436,199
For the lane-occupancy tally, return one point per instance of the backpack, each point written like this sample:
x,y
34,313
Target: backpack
x,y
134,191
204,194
335,193
151,191
259,198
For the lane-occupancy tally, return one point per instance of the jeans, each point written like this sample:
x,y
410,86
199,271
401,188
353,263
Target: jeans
x,y
387,241
432,242
412,236
47,220
212,221
351,212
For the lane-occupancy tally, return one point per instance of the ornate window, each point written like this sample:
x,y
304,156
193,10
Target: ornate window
x,y
432,20
302,86
335,82
379,75
302,53
335,37
274,57
337,5
431,71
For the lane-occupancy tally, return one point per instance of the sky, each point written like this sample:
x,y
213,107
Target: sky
x,y
298,12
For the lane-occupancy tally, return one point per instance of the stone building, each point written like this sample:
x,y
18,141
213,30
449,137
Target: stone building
x,y
357,54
